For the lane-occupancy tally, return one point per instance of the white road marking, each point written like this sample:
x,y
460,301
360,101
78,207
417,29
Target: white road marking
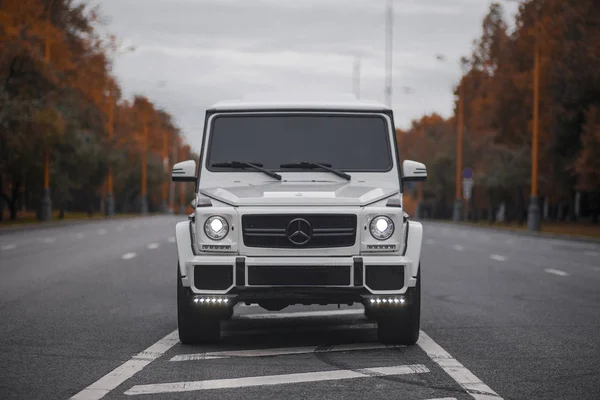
x,y
497,257
510,241
270,380
430,241
556,272
458,247
153,246
49,240
8,247
591,253
465,378
120,228
327,313
128,256
110,381
444,398
171,239
279,351
79,235
101,231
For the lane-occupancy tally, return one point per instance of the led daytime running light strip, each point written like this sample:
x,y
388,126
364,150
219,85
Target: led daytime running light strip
x,y
211,300
387,300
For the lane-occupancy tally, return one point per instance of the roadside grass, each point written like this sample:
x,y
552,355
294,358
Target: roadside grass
x,y
574,229
29,218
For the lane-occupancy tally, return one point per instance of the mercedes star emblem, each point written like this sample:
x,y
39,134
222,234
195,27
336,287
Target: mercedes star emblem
x,y
299,231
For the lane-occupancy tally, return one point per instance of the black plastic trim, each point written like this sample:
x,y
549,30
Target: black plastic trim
x,y
240,271
358,271
192,240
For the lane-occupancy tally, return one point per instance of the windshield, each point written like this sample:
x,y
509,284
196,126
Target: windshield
x,y
350,143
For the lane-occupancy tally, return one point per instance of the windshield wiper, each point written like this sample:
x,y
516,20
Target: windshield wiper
x,y
312,165
244,164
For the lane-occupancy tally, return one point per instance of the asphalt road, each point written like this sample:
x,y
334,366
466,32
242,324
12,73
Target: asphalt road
x,y
93,306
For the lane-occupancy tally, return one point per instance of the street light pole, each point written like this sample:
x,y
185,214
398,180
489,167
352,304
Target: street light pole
x,y
165,206
46,211
389,51
110,201
533,212
181,184
457,214
144,199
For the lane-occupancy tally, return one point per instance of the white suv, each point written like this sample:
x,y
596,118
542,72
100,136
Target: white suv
x,y
299,203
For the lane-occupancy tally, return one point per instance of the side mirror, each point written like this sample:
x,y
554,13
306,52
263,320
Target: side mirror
x,y
184,171
413,171
193,203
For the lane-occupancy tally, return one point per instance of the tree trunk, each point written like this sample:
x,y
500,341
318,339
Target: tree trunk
x,y
521,207
13,203
491,212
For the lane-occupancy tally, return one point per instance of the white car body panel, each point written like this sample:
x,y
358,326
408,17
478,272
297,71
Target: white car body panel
x,y
234,194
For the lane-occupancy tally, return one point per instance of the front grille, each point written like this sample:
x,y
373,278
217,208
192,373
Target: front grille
x,y
385,277
299,275
213,277
272,230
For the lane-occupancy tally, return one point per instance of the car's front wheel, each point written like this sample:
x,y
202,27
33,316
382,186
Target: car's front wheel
x,y
401,326
195,325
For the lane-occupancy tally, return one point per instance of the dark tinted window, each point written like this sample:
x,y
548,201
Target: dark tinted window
x,y
351,143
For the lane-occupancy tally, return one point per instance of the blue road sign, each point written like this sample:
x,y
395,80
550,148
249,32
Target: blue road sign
x,y
467,173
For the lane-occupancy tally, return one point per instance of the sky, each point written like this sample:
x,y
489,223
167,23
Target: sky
x,y
190,54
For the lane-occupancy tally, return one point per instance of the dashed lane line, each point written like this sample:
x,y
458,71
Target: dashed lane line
x,y
80,235
49,240
171,239
8,247
458,247
110,381
128,256
270,380
465,378
497,257
102,231
283,351
556,272
153,246
592,253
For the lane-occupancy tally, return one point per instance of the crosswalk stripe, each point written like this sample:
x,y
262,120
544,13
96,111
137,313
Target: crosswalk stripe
x,y
279,351
116,377
269,380
465,378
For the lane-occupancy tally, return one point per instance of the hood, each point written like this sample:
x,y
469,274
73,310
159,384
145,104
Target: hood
x,y
300,193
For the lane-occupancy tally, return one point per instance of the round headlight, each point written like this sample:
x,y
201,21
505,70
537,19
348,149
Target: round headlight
x,y
216,227
382,228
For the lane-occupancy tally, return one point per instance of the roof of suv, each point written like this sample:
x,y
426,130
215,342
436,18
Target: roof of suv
x,y
278,102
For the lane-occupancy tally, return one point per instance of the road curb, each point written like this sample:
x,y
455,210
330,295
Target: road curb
x,y
540,235
58,224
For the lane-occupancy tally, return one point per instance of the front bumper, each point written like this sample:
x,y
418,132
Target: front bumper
x,y
323,280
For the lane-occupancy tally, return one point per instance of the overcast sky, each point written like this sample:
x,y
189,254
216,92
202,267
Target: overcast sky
x,y
192,53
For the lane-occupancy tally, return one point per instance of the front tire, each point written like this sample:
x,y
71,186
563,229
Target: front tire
x,y
195,326
402,326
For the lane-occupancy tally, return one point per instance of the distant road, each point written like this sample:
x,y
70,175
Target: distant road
x,y
516,316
